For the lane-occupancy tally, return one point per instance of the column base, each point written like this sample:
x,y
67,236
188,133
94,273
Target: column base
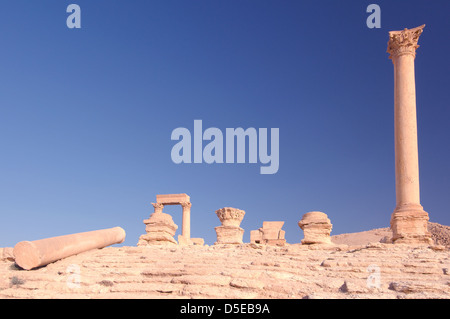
x,y
409,225
160,229
229,235
183,241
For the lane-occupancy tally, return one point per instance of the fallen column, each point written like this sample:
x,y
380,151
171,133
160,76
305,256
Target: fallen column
x,y
32,254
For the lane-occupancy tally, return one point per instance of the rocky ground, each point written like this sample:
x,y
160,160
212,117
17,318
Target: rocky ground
x,y
358,265
439,233
238,271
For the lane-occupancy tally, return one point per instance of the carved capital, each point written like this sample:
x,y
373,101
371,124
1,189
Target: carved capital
x,y
404,42
158,207
230,216
186,205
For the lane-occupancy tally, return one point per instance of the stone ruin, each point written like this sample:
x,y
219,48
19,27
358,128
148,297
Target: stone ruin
x,y
316,227
160,227
270,234
33,254
408,221
230,232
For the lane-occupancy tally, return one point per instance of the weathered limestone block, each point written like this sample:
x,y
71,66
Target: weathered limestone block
x,y
410,227
160,229
270,234
198,241
183,241
230,232
172,199
256,236
32,254
7,253
229,235
316,228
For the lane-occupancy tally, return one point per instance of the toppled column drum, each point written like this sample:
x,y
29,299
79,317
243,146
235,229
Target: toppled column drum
x,y
32,254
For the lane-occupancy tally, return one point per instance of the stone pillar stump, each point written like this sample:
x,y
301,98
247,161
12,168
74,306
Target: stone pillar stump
x,y
316,228
230,232
159,228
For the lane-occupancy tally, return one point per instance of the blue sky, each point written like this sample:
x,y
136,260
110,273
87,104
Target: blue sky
x,y
86,115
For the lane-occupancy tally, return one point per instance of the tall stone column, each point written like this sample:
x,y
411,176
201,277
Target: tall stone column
x,y
186,227
409,220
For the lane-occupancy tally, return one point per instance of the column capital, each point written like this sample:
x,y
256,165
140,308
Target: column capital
x,y
158,207
186,204
404,42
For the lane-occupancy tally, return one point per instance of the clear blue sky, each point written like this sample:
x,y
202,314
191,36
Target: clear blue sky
x,y
86,114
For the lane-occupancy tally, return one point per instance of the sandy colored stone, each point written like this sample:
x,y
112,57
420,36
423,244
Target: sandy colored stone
x,y
230,216
183,241
198,241
172,199
439,233
241,271
160,230
247,283
316,228
270,234
7,253
32,254
229,235
177,199
409,220
229,232
237,271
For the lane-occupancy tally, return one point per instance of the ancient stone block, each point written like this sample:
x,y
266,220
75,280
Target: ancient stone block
x,y
229,235
230,232
183,241
7,253
160,229
270,234
172,199
316,228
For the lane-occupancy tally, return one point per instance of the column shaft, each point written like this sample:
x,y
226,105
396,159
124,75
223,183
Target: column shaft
x,y
186,227
406,149
32,254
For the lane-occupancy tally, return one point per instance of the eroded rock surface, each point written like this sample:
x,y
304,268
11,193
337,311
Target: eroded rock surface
x,y
237,271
